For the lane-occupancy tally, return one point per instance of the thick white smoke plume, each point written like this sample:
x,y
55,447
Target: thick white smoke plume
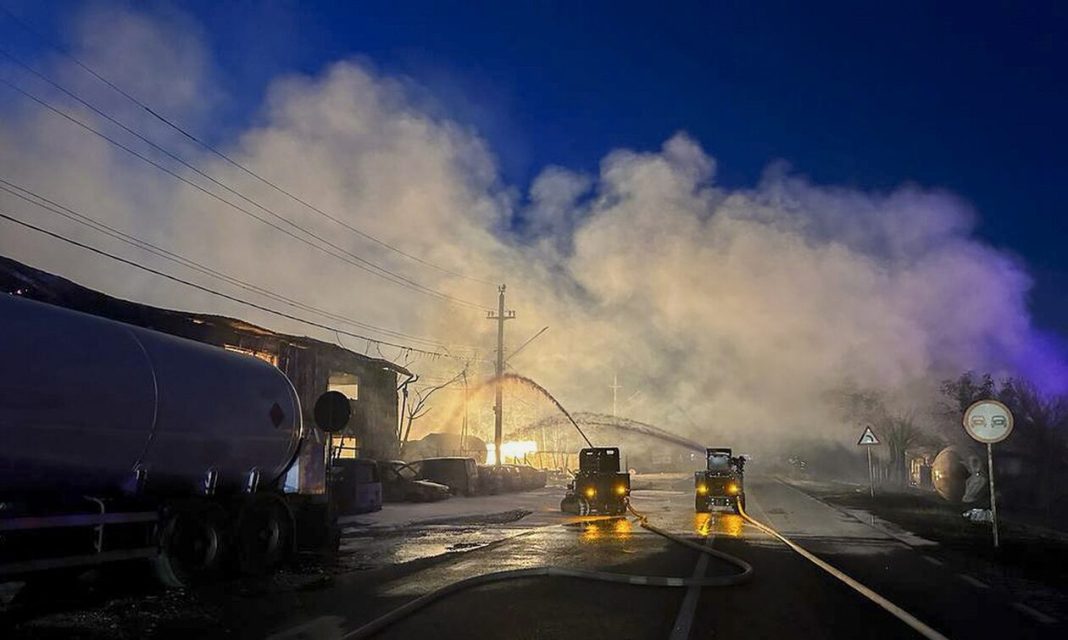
x,y
720,310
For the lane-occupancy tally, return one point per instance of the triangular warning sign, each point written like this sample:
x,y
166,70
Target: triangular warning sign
x,y
868,437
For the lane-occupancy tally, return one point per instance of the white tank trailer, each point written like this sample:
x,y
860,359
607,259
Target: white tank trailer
x,y
121,443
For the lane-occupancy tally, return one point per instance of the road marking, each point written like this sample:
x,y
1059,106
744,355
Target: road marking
x,y
890,607
684,619
935,561
975,582
917,541
1035,613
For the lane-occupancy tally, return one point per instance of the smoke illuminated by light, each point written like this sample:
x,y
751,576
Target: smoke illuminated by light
x,y
723,311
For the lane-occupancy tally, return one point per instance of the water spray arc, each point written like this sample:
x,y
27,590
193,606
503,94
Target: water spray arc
x,y
605,421
527,382
588,419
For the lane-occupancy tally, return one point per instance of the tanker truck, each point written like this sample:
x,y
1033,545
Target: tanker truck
x,y
123,443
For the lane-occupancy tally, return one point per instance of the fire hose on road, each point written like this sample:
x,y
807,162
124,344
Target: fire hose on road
x,y
890,607
407,609
745,574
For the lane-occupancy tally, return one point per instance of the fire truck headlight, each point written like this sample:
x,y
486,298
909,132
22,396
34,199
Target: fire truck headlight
x,y
702,489
732,488
621,489
591,492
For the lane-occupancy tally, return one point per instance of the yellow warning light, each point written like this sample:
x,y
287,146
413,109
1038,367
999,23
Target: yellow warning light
x,y
702,489
621,489
591,492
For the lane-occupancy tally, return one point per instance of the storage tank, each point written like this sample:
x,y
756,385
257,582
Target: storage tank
x,y
951,470
85,402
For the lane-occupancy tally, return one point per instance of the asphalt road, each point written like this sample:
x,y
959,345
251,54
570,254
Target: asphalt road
x,y
394,558
788,597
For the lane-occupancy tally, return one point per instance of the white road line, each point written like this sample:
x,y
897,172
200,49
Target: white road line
x,y
1035,613
935,561
975,582
684,619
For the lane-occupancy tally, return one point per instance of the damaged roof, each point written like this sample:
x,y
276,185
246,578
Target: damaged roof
x,y
20,279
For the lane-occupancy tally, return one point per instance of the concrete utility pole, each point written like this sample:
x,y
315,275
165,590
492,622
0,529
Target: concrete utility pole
x,y
498,409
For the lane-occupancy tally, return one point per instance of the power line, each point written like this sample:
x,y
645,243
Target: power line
x,y
103,228
220,294
364,264
351,258
170,123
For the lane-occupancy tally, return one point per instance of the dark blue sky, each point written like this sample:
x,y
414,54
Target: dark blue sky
x,y
967,97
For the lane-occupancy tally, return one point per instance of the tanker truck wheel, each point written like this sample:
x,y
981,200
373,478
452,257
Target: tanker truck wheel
x,y
263,534
192,544
569,504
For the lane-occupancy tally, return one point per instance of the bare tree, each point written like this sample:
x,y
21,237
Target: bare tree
x,y
1041,434
902,433
958,394
417,407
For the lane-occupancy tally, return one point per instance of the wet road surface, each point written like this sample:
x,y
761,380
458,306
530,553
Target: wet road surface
x,y
788,596
394,557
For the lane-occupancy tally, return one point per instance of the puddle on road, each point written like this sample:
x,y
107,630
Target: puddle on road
x,y
591,531
373,550
729,525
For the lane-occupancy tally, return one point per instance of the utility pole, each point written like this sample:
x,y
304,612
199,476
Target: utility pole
x,y
463,430
498,409
615,390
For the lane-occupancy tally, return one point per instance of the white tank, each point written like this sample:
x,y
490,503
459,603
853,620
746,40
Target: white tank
x,y
86,402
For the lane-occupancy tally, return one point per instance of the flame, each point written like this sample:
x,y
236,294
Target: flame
x,y
511,451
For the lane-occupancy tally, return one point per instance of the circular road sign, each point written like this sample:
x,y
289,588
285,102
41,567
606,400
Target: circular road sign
x,y
988,421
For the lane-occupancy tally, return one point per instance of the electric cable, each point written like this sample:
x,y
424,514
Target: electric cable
x,y
347,256
220,294
184,132
103,228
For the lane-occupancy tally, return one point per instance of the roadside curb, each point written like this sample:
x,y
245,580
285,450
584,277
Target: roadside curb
x,y
883,530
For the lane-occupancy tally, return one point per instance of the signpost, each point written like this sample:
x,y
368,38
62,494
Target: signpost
x,y
989,421
868,440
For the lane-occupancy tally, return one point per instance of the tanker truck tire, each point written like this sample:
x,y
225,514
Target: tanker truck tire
x,y
192,544
263,534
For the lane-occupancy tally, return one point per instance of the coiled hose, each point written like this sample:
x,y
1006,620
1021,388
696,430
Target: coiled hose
x,y
407,609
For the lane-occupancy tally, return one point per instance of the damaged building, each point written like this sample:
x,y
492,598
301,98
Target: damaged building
x,y
313,366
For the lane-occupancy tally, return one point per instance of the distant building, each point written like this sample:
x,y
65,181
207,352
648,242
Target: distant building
x,y
313,366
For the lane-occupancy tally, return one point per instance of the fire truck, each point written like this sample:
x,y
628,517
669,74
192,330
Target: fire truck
x,y
721,483
599,486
